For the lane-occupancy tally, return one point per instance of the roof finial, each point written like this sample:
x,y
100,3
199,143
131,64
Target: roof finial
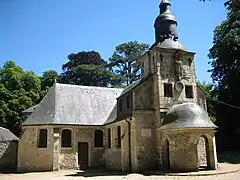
x,y
164,5
166,23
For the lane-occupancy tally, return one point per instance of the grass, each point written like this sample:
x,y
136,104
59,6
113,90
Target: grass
x,y
232,157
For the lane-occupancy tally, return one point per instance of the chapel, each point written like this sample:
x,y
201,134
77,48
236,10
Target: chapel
x,y
158,123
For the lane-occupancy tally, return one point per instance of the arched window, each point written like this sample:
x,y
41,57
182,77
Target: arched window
x,y
66,138
42,141
98,138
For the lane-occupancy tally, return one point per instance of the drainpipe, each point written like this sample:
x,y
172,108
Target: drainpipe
x,y
129,145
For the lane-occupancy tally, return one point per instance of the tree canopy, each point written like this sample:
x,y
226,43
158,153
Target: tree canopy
x,y
225,72
124,61
87,68
19,90
211,98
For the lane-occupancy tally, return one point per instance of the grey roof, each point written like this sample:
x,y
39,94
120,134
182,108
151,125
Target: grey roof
x,y
6,135
76,105
31,109
186,115
170,44
132,86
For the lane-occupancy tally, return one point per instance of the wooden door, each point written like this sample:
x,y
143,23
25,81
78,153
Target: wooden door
x,y
83,155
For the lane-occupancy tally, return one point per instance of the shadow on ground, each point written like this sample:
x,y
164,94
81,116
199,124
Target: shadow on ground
x,y
232,157
97,172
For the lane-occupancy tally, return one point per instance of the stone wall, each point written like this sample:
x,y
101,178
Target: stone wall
x,y
8,155
68,157
145,139
117,158
55,157
32,158
183,149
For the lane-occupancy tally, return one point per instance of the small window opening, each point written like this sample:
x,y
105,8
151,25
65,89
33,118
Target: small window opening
x,y
119,137
168,90
66,138
162,114
161,57
98,138
128,102
42,142
189,91
120,105
189,61
109,138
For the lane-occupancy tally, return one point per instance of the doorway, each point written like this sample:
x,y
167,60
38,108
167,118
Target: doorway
x,y
83,155
203,153
165,154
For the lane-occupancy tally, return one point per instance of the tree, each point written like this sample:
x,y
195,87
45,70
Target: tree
x,y
19,90
225,72
124,61
87,68
211,97
48,78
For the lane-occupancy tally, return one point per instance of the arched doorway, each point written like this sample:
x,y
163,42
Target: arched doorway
x,y
165,154
203,153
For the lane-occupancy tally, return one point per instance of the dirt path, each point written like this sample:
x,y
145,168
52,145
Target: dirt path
x,y
101,175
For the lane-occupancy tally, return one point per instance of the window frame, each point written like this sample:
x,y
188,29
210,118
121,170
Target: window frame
x,y
120,104
119,140
40,144
109,138
96,143
166,89
187,90
128,101
70,143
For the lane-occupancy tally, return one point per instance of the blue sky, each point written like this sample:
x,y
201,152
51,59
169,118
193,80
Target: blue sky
x,y
39,34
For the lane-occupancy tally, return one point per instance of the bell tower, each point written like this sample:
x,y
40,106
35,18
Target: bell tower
x,y
169,64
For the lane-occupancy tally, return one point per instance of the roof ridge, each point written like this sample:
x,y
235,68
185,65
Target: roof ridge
x,y
88,87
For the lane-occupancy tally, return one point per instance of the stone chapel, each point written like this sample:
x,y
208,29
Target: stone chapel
x,y
159,122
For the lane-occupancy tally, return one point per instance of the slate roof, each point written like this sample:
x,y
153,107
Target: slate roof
x,y
169,44
31,109
186,115
6,135
76,105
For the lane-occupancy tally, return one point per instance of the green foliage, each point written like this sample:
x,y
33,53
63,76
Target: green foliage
x,y
211,98
48,79
124,61
87,68
232,157
19,90
225,72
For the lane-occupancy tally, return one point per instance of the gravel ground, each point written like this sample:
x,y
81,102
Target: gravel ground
x,y
76,175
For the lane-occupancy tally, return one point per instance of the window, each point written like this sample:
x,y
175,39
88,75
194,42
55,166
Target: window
x,y
161,57
42,142
66,138
189,91
120,105
119,137
128,102
162,116
98,138
109,138
168,91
